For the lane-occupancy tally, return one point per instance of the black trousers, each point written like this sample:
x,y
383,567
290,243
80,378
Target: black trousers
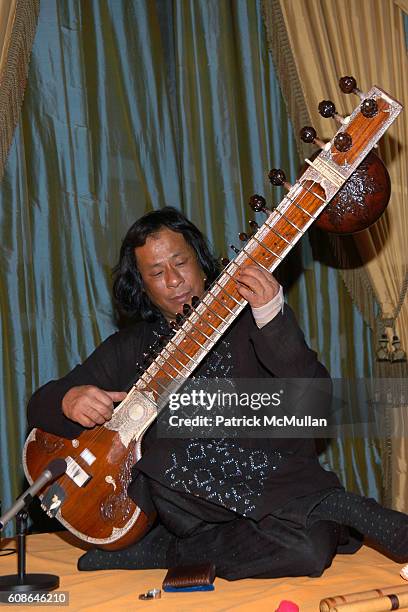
x,y
278,545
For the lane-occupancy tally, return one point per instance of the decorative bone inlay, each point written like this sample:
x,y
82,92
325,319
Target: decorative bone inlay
x,y
110,480
133,415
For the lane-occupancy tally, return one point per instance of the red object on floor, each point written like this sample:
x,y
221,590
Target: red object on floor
x,y
287,606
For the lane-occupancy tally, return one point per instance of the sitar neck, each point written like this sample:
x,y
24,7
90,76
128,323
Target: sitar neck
x,y
284,226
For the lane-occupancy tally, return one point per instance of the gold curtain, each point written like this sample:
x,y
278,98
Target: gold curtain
x,y
329,39
18,20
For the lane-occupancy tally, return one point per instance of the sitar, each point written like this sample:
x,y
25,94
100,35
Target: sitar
x,y
90,499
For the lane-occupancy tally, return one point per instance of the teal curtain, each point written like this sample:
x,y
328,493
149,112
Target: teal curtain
x,y
132,105
406,29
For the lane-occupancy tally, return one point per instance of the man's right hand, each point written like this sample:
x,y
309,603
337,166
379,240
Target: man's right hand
x,y
89,405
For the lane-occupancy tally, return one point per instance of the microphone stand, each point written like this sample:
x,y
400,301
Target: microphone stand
x,y
22,582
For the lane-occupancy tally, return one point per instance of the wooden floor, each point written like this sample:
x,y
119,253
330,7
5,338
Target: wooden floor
x,y
119,589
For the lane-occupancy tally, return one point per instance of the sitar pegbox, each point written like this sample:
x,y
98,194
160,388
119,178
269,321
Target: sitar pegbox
x,y
365,195
358,201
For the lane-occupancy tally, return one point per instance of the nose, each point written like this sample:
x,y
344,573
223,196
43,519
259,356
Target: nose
x,y
173,277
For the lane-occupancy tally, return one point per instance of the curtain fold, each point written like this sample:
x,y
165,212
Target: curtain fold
x,y
330,39
18,22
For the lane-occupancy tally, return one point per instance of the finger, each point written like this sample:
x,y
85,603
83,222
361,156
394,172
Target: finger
x,y
254,297
95,394
251,282
85,421
94,407
107,397
116,396
96,416
252,288
245,292
268,286
259,273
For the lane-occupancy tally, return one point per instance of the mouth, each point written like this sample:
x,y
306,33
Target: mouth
x,y
184,298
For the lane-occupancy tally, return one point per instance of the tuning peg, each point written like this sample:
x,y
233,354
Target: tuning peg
x,y
234,248
224,262
174,325
243,236
308,135
369,108
195,300
179,319
343,142
258,204
348,85
186,309
327,109
253,225
278,178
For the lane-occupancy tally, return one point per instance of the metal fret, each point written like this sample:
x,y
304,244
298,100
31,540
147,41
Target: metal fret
x,y
199,330
289,221
316,195
215,313
192,337
267,248
172,366
233,278
154,379
299,207
181,351
253,259
178,360
145,381
277,233
200,316
226,292
222,303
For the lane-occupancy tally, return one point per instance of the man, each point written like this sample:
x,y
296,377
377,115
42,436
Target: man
x,y
254,507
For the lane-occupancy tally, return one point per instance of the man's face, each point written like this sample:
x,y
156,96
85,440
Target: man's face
x,y
170,271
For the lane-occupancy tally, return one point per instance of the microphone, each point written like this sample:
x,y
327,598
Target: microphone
x,y
54,469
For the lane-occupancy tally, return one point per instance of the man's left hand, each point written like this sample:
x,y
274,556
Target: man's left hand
x,y
256,285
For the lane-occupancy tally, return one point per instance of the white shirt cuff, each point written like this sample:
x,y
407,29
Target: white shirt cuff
x,y
264,314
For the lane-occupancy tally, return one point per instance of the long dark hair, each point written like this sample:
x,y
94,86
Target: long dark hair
x,y
130,299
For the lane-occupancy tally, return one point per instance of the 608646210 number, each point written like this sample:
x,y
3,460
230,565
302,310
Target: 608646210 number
x,y
35,598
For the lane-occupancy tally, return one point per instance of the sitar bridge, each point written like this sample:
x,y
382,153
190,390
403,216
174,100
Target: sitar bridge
x,y
77,474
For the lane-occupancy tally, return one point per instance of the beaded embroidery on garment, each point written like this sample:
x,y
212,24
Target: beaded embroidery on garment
x,y
221,471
